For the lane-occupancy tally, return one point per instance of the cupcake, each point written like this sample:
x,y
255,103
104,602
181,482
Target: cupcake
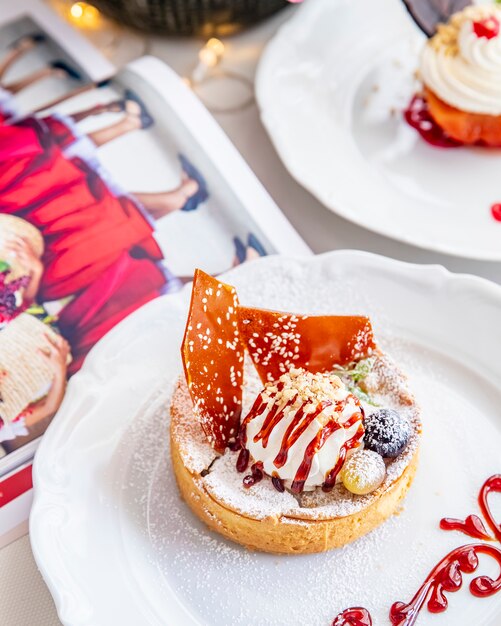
x,y
460,67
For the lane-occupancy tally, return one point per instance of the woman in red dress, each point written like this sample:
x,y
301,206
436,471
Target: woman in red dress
x,y
100,253
86,225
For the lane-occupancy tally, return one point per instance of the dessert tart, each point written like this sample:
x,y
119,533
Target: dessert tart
x,y
289,433
460,67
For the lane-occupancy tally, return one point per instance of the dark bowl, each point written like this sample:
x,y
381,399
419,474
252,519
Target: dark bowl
x,y
205,18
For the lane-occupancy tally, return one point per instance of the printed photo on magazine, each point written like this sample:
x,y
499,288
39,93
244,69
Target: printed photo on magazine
x,y
111,193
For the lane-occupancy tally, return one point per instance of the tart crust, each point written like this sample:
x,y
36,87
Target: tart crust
x,y
295,531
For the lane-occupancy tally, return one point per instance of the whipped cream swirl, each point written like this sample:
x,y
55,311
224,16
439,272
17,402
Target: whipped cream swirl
x,y
462,68
303,415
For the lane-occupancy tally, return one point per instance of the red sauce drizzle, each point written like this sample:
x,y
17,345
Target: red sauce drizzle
x,y
418,116
472,526
296,428
278,483
317,443
243,460
292,434
330,479
447,574
492,484
255,476
272,419
257,409
356,616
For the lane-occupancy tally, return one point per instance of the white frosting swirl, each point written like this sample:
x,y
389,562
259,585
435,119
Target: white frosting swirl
x,y
304,390
469,80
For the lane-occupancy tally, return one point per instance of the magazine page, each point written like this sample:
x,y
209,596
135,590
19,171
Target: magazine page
x,y
111,193
62,43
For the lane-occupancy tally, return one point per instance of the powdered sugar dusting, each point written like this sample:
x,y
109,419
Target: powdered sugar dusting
x,y
223,583
197,452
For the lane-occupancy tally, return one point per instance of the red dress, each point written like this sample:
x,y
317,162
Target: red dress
x,y
120,290
98,247
85,227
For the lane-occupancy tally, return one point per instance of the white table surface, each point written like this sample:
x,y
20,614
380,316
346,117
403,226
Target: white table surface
x,y
24,598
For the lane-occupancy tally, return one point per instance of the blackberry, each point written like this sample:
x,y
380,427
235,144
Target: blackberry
x,y
386,432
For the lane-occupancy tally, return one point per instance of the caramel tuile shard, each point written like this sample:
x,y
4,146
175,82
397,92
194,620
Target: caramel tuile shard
x,y
278,341
213,358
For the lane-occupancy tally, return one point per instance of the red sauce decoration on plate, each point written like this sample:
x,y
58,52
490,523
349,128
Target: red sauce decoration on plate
x,y
356,616
492,484
496,211
473,525
213,358
446,576
278,341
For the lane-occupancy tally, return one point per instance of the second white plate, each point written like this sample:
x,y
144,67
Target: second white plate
x,y
331,87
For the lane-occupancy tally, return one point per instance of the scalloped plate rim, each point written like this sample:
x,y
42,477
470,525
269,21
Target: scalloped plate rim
x,y
48,498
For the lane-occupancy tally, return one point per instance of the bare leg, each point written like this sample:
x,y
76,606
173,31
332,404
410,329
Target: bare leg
x,y
111,107
131,121
16,53
71,94
244,253
33,78
160,204
104,135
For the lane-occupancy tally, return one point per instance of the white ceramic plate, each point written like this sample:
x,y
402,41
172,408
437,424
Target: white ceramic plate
x,y
115,543
326,86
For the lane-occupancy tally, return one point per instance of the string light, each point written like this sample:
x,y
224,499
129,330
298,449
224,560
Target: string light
x,y
206,72
208,57
216,45
85,15
76,10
